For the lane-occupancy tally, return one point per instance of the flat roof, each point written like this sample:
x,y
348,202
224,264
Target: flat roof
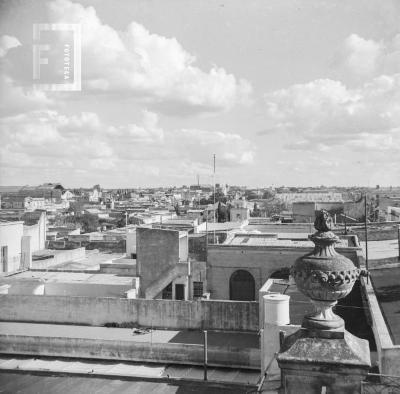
x,y
70,277
180,219
211,226
91,262
386,282
381,249
269,239
8,222
136,378
215,338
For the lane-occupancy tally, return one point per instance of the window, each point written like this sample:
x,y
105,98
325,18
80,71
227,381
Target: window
x,y
167,292
197,289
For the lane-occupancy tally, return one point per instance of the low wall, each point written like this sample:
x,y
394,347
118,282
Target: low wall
x,y
388,352
128,350
120,267
271,227
206,315
115,246
383,263
60,257
62,245
376,234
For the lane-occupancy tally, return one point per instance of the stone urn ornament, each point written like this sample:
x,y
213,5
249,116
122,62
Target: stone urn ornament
x,y
324,276
322,354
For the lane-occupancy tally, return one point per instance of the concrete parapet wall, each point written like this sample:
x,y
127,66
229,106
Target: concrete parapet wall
x,y
388,352
117,246
120,266
60,257
208,315
127,350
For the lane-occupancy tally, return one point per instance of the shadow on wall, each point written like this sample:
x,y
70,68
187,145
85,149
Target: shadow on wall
x,y
214,338
351,310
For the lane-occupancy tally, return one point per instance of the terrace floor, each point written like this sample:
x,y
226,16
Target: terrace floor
x,y
386,284
91,261
215,338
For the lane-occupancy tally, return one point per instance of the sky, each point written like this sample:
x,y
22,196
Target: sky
x,y
283,92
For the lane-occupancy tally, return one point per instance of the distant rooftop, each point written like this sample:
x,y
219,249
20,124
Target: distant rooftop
x,y
7,222
222,226
91,262
72,277
271,239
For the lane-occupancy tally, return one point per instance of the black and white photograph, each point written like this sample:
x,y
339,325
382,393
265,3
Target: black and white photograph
x,y
199,196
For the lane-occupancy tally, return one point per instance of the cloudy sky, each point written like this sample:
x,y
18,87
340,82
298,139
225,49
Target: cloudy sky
x,y
283,92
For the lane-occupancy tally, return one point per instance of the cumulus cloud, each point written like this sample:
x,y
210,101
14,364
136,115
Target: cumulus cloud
x,y
354,122
360,55
150,66
366,58
325,113
148,131
16,99
47,134
231,149
7,43
49,139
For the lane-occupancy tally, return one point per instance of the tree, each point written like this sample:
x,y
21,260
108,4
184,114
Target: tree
x,y
250,195
204,201
256,212
88,223
273,206
268,194
222,213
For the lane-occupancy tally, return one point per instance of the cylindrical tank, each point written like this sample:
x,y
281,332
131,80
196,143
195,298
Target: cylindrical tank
x,y
276,309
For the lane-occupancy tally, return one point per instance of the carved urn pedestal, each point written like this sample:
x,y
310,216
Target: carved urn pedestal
x,y
322,353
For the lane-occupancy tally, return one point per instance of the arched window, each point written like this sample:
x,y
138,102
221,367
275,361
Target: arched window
x,y
241,286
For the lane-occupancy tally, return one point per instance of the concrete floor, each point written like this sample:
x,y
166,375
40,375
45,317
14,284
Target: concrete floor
x,y
381,249
91,262
386,283
125,370
11,383
72,277
245,340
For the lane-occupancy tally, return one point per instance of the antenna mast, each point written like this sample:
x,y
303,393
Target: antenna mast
x,y
214,198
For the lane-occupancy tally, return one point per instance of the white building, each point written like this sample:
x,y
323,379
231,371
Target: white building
x,y
32,203
239,211
15,247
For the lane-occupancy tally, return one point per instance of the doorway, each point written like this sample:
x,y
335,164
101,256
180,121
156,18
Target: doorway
x,y
179,292
241,286
4,258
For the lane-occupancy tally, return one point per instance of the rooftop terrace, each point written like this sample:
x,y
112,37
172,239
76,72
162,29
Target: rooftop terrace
x,y
271,239
386,283
72,277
